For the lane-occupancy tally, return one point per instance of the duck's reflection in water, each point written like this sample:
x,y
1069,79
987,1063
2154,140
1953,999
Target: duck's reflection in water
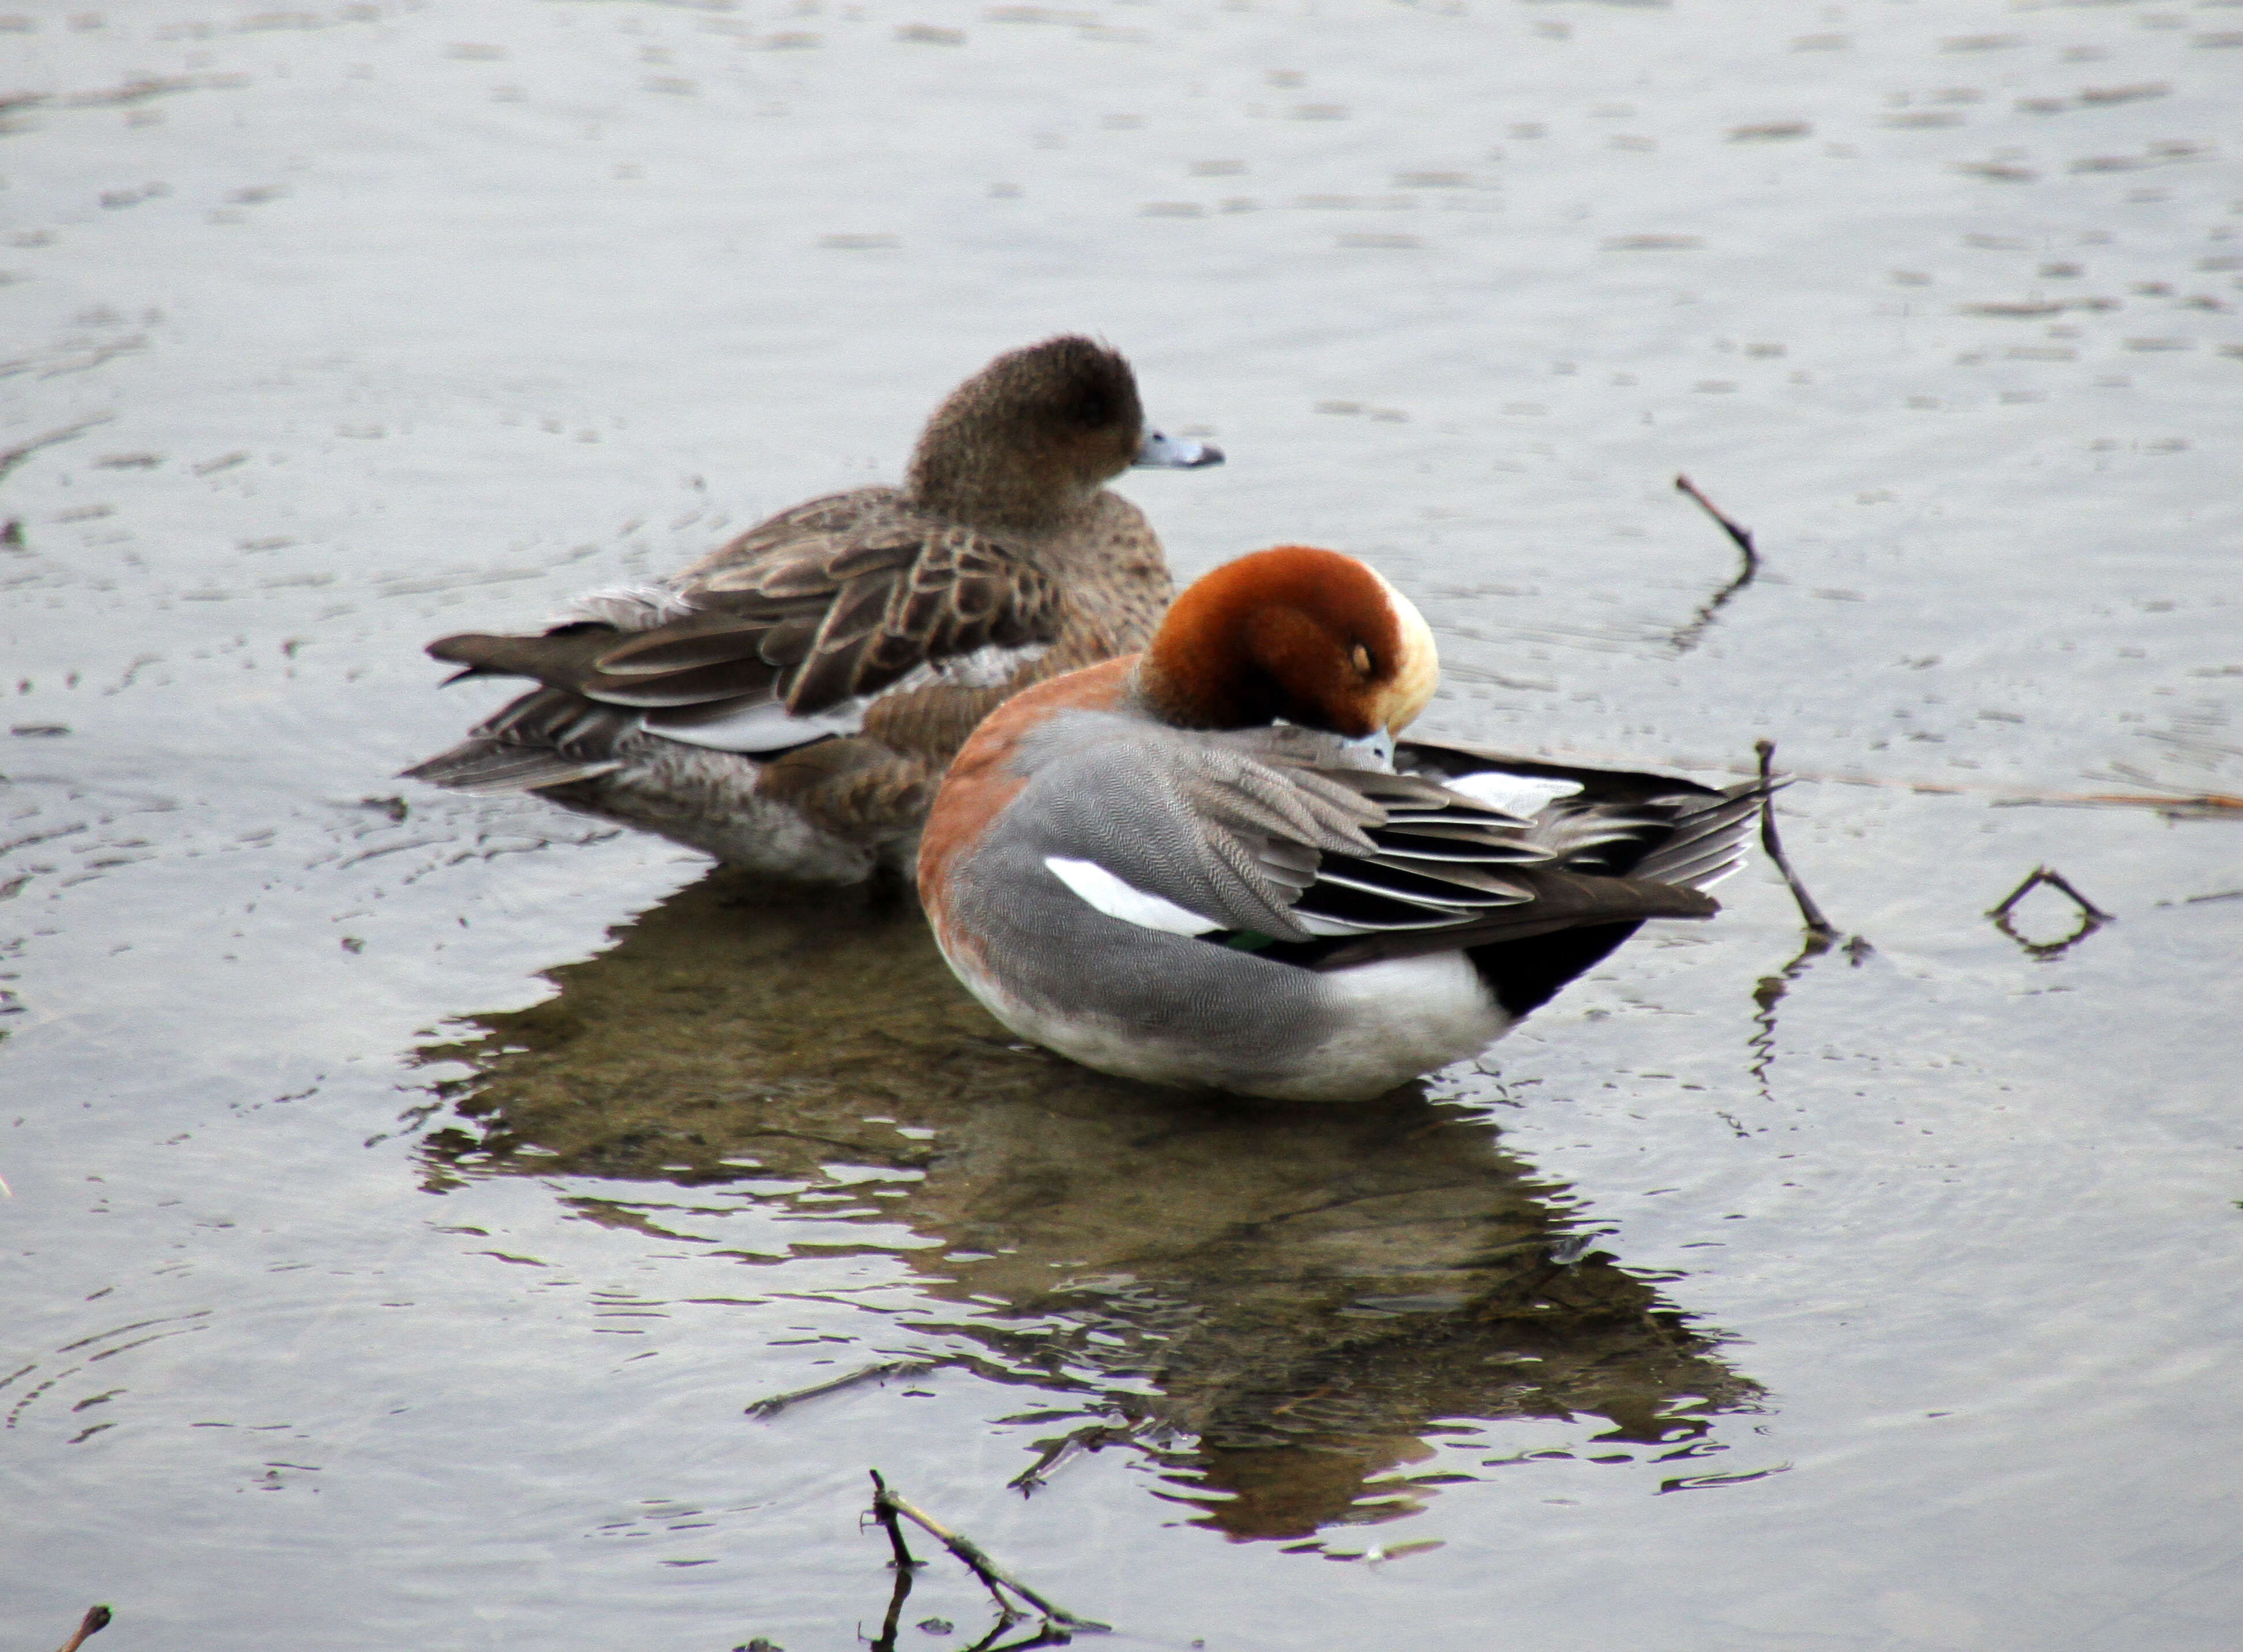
x,y
1283,1304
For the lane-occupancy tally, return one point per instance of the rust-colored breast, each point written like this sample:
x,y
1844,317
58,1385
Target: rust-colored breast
x,y
981,782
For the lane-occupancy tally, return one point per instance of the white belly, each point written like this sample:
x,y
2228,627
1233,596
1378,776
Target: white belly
x,y
1371,1029
1390,1023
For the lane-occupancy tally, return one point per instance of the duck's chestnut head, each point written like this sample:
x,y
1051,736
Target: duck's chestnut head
x,y
1293,633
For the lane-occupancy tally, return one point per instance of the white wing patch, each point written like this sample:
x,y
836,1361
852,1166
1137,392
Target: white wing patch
x,y
1519,795
1101,889
768,727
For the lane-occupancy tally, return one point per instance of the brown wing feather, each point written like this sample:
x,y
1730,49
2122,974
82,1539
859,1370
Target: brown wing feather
x,y
958,594
838,597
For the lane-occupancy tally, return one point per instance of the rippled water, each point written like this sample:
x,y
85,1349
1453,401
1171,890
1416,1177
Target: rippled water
x,y
1748,1296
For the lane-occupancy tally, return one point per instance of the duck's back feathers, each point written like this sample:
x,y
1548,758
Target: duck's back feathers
x,y
826,604
1606,820
1290,844
1230,826
1626,846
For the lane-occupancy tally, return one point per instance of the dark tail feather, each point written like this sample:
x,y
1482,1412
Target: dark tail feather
x,y
1525,975
488,767
549,737
1709,843
561,655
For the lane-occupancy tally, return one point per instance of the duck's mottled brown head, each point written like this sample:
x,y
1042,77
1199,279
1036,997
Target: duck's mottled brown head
x,y
1032,437
1297,634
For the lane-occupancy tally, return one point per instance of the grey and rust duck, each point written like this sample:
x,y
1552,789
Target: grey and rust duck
x,y
1215,866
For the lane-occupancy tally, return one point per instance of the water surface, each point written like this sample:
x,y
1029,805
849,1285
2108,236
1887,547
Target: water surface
x,y
412,1194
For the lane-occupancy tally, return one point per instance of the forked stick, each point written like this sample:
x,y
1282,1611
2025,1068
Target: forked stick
x,y
994,1578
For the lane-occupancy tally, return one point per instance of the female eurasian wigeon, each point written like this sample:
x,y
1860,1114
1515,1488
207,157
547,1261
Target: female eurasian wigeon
x,y
790,701
1210,865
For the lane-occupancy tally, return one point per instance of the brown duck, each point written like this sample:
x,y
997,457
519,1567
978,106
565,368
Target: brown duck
x,y
789,703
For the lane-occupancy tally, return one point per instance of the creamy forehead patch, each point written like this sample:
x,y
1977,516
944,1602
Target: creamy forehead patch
x,y
1417,673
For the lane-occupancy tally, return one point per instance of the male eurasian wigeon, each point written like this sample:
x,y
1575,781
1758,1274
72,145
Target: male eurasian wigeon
x,y
1211,865
789,702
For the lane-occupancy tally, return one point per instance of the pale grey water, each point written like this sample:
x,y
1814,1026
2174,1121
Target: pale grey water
x,y
412,319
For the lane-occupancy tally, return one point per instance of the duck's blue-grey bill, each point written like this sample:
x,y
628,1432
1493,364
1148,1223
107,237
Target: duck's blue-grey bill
x,y
1175,453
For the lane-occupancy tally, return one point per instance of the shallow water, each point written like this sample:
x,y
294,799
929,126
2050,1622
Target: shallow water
x,y
1745,1298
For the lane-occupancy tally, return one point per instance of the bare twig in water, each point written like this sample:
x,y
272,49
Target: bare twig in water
x,y
905,1566
1687,638
993,1578
2054,879
1808,911
1050,1635
10,457
2208,803
779,1402
1051,1454
885,1512
2091,916
1742,536
95,1621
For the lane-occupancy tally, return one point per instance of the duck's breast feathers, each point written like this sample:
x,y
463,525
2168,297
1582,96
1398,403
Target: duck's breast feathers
x,y
988,773
796,624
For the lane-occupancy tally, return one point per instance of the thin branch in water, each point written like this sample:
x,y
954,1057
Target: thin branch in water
x,y
904,1565
10,457
95,1621
2054,879
2091,916
1808,911
1687,637
778,1402
904,1559
993,1578
1049,1634
1820,932
1741,535
1051,1454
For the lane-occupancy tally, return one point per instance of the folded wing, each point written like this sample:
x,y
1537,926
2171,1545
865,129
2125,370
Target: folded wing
x,y
1280,843
784,636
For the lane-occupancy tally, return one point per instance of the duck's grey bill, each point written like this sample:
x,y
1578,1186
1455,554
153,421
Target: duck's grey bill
x,y
1378,745
1174,453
